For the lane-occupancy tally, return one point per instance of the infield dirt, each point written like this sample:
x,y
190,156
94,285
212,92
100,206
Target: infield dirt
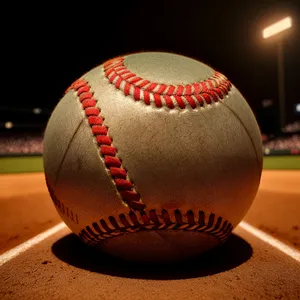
x,y
26,208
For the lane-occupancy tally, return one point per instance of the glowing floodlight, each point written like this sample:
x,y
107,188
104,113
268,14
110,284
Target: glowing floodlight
x,y
37,110
277,27
8,125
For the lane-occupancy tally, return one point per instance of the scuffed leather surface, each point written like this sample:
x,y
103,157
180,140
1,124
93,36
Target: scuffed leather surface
x,y
208,158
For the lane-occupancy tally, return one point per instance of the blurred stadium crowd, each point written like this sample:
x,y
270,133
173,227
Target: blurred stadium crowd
x,y
21,144
287,145
293,127
32,143
288,142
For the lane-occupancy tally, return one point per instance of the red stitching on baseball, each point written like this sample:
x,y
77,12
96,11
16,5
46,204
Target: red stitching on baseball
x,y
103,140
111,161
113,164
99,130
118,172
108,150
151,220
89,103
192,95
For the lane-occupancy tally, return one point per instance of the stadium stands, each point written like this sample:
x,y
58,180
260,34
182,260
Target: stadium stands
x,y
31,143
293,127
287,143
283,143
21,144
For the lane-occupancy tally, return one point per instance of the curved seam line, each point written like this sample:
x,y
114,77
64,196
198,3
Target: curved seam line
x,y
127,194
220,229
96,239
245,128
67,149
220,87
110,66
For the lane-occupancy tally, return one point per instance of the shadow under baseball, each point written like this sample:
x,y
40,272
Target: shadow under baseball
x,y
234,252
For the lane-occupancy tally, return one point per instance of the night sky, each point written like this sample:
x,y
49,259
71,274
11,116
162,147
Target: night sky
x,y
48,46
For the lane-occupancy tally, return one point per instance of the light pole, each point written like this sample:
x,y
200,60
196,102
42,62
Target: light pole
x,y
269,31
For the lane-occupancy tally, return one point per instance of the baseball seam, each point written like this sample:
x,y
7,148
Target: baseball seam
x,y
66,152
193,95
107,150
259,162
150,220
170,96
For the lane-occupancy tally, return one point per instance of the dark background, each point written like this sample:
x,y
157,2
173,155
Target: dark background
x,y
47,46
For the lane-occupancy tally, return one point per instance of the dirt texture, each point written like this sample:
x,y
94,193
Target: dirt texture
x,y
26,208
62,267
276,208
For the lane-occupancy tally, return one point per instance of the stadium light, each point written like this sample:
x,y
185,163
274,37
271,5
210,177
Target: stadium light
x,y
277,27
269,31
8,125
37,110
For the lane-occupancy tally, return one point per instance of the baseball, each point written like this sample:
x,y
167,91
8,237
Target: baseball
x,y
152,156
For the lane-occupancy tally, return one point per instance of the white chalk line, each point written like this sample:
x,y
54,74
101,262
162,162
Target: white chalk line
x,y
10,254
292,252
